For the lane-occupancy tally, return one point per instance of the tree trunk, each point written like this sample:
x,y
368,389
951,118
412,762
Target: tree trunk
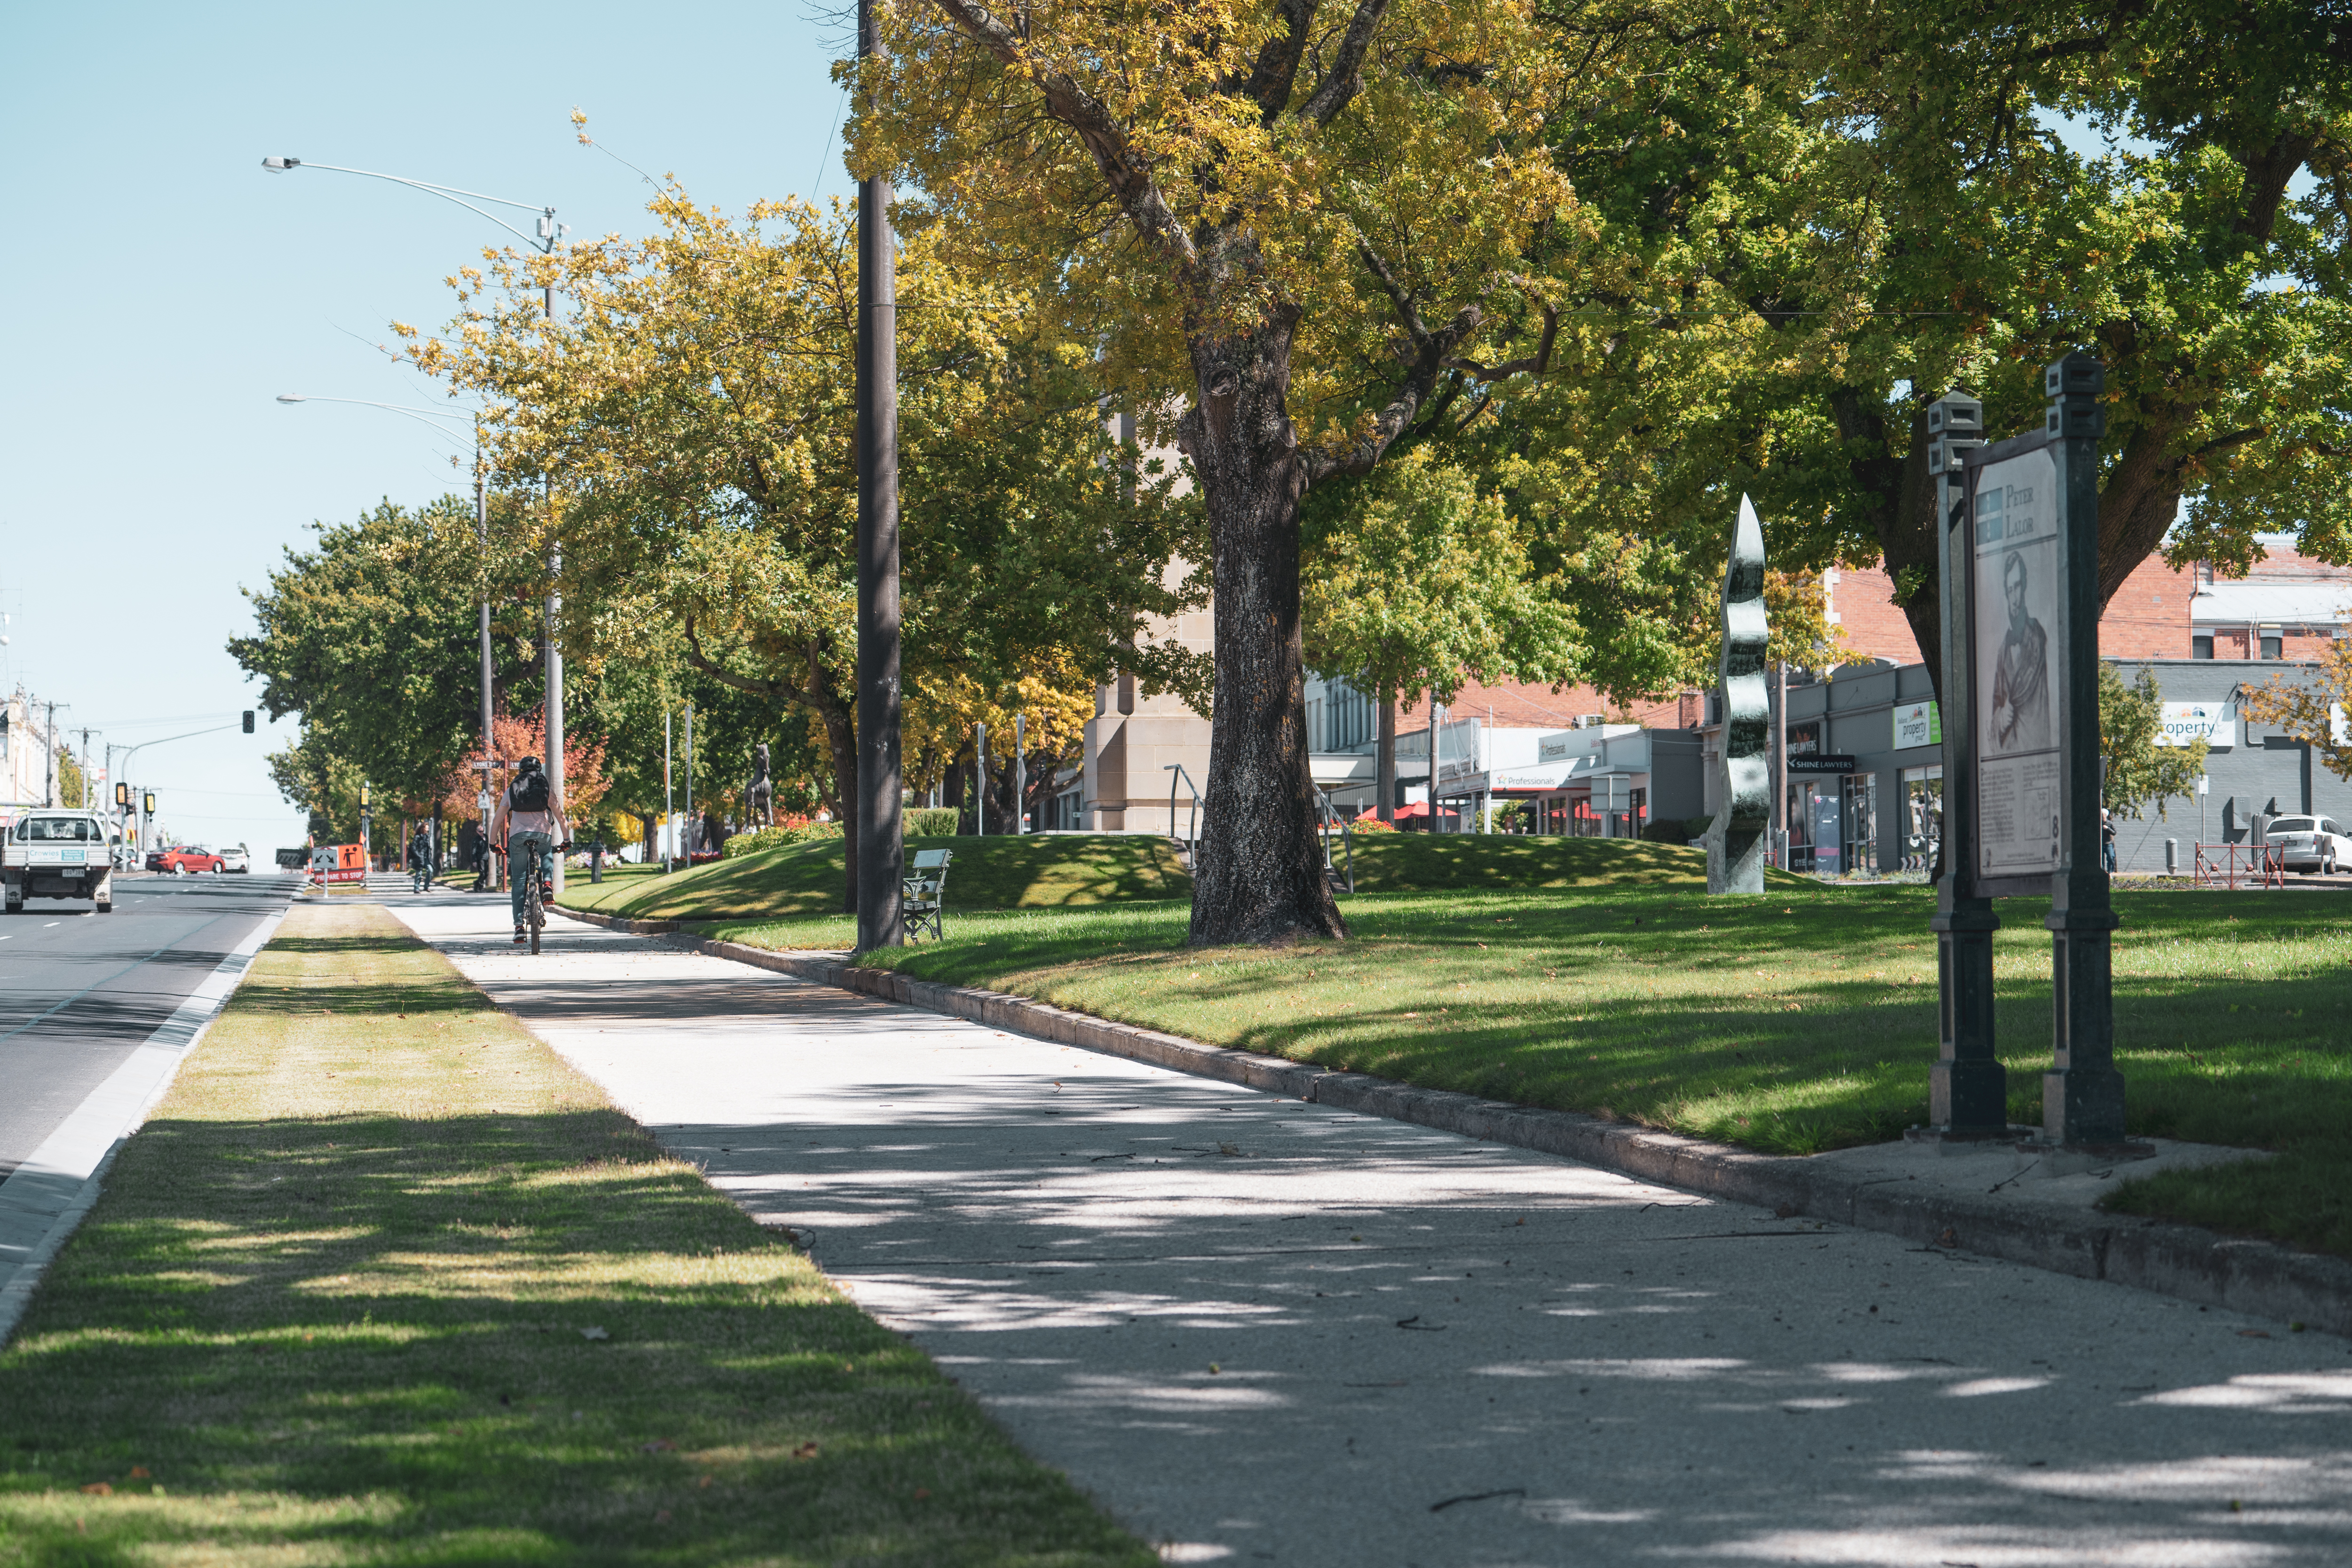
x,y
1384,766
1258,876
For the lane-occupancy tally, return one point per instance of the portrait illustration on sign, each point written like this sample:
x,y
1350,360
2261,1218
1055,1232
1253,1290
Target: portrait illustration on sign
x,y
2021,682
2014,544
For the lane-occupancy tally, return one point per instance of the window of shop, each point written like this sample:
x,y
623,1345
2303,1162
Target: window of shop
x,y
2200,645
1347,717
1859,819
1801,830
1824,810
1923,817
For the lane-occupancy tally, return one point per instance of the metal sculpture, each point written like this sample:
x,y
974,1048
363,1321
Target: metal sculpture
x,y
1736,839
763,792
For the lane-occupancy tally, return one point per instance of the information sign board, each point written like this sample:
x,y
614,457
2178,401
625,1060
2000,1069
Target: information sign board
x,y
1824,762
2016,569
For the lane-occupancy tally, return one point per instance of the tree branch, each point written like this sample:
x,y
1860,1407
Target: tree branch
x,y
1138,195
1271,78
1340,84
1526,365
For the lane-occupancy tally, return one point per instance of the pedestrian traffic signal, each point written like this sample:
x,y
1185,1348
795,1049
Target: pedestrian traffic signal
x,y
248,721
149,806
122,797
363,794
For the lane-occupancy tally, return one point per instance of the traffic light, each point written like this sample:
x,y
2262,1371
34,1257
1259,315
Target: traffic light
x,y
148,804
122,797
363,794
248,721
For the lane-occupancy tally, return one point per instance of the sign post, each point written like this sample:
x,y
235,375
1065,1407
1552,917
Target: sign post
x,y
1968,1089
2022,566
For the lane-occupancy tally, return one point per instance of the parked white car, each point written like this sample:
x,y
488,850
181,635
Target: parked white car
x,y
2311,844
232,858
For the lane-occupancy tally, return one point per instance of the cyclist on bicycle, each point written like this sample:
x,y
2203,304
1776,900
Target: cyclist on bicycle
x,y
528,825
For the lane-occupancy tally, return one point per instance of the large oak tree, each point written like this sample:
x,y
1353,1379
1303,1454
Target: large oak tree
x,y
1292,226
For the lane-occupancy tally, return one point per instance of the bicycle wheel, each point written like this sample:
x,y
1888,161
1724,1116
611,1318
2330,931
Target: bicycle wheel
x,y
532,911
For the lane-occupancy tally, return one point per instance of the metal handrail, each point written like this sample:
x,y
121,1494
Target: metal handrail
x,y
1192,819
1346,836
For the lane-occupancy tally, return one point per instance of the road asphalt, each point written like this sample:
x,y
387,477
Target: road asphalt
x,y
79,991
1260,1331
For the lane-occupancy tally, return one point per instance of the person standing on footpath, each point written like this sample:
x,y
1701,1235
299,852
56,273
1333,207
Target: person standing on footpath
x,y
529,821
420,861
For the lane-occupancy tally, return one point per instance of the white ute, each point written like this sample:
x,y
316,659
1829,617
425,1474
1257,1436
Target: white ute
x,y
57,855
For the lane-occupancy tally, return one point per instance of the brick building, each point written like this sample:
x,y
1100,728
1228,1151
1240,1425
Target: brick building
x,y
2287,607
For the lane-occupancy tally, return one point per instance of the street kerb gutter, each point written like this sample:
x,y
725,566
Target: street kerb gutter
x,y
2241,1273
60,1180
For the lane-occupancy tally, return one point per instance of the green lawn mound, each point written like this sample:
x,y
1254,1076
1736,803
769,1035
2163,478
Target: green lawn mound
x,y
1042,871
1422,862
1072,870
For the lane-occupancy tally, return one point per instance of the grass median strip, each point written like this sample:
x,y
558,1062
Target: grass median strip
x,y
383,1280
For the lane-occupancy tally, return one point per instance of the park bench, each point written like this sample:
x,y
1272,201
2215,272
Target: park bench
x,y
926,893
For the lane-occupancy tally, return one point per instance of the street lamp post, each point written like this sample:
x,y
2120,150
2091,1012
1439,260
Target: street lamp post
x,y
548,239
481,534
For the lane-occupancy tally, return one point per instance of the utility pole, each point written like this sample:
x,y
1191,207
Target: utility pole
x,y
876,795
555,668
482,534
687,844
670,823
87,782
49,780
1020,776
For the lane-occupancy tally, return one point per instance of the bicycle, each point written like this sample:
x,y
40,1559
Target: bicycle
x,y
534,895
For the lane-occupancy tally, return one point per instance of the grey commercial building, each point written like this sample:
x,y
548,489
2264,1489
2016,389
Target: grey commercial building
x,y
1882,811
2252,770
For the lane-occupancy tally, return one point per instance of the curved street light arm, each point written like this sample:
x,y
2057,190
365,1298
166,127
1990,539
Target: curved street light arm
x,y
446,193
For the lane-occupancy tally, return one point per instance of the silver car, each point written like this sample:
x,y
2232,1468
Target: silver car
x,y
2310,844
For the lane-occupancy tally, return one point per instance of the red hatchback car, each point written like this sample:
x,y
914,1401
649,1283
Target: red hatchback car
x,y
184,859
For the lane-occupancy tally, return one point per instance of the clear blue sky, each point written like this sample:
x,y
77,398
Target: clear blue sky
x,y
160,289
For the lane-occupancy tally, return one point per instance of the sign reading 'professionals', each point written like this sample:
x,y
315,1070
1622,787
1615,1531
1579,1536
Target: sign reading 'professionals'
x,y
2015,545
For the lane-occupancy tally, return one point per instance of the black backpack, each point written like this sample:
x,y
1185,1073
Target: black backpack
x,y
530,791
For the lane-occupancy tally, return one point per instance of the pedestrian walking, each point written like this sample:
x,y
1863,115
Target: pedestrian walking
x,y
528,825
420,861
2107,840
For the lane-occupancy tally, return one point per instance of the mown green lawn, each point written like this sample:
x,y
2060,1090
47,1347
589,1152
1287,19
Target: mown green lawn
x,y
384,1282
806,879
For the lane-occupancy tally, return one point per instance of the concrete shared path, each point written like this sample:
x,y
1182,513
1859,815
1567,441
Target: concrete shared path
x,y
1260,1331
